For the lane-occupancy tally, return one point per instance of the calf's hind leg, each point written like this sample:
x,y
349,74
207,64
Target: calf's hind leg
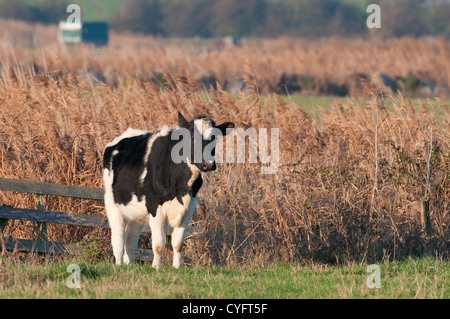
x,y
117,225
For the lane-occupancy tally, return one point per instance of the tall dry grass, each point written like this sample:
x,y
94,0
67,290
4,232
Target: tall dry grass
x,y
351,190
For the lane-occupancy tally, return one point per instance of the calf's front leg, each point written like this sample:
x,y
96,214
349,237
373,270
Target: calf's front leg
x,y
158,239
179,233
177,244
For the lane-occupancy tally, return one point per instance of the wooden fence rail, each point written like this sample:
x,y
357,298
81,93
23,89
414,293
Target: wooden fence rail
x,y
42,216
51,189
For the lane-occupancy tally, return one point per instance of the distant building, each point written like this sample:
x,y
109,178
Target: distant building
x,y
69,33
84,32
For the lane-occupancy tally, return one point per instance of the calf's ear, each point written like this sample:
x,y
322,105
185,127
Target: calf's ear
x,y
223,127
181,120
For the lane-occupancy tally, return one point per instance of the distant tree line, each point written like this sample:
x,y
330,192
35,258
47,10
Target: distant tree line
x,y
216,18
44,11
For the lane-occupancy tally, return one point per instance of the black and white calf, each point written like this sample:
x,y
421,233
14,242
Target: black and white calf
x,y
145,183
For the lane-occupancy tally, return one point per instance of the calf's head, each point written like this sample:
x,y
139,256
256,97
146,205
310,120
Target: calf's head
x,y
199,141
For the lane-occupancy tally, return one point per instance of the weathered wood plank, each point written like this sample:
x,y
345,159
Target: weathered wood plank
x,y
143,254
38,246
7,184
8,212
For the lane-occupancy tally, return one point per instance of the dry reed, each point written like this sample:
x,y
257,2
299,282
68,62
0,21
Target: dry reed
x,y
351,190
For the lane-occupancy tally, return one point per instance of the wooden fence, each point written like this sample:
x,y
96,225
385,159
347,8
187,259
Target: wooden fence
x,y
42,216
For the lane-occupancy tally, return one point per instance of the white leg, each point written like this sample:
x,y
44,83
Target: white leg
x,y
177,243
115,218
117,224
132,232
158,238
179,234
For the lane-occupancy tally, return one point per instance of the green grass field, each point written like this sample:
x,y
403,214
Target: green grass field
x,y
93,10
413,278
313,104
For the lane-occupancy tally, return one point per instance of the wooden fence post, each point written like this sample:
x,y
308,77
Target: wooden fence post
x,y
43,235
3,222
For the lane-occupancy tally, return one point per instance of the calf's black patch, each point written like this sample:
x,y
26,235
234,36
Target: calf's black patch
x,y
164,181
